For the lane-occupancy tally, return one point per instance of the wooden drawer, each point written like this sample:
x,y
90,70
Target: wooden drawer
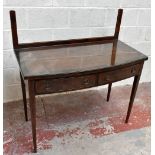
x,y
119,74
64,84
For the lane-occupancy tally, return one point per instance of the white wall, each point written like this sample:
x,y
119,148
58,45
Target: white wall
x,y
43,20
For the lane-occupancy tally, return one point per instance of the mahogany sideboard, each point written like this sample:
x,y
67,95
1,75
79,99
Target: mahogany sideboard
x,y
68,65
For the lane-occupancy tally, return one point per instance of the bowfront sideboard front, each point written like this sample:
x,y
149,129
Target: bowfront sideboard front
x,y
68,65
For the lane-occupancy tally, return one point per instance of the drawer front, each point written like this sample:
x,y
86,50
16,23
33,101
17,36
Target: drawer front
x,y
64,84
119,74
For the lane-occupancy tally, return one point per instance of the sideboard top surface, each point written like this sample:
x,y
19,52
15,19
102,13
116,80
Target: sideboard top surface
x,y
57,60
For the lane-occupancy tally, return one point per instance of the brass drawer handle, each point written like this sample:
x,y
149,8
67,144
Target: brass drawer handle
x,y
106,78
86,81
